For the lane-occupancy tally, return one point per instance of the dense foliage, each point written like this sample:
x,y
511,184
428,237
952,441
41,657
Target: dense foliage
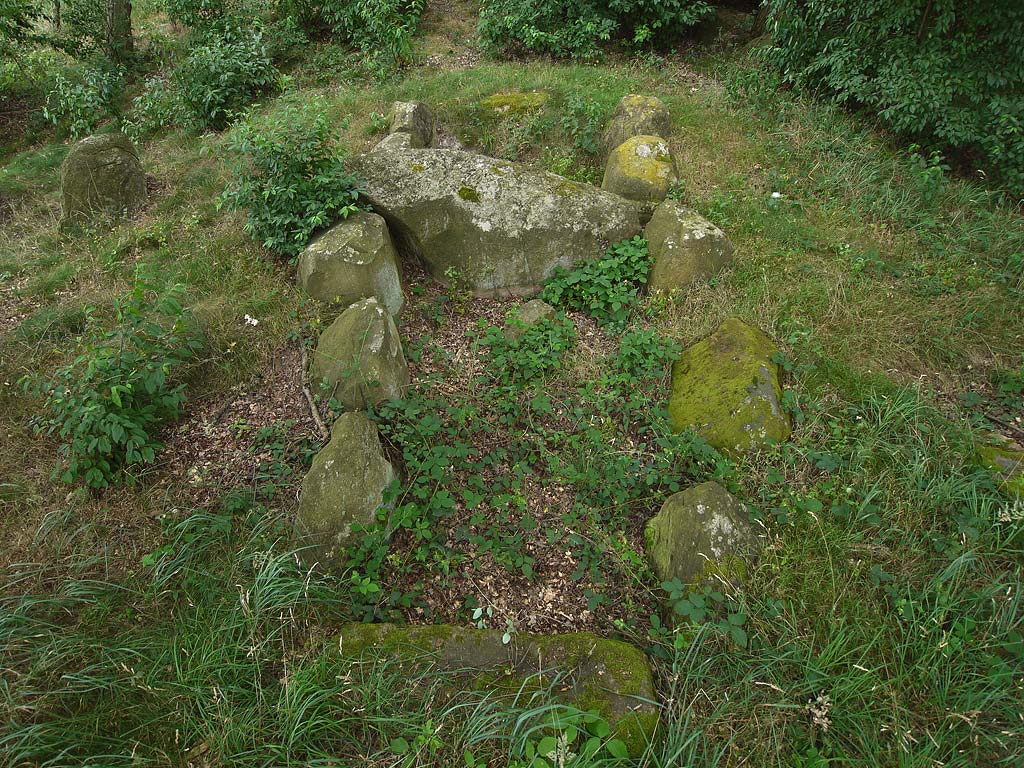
x,y
291,178
578,28
107,401
948,74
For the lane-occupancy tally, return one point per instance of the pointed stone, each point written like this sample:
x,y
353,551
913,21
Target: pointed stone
x,y
414,119
637,115
101,176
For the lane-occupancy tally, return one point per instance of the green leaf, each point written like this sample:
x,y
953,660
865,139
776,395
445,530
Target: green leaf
x,y
399,746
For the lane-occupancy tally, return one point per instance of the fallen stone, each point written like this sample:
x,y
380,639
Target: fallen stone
x,y
637,116
394,141
102,176
416,120
1005,460
527,315
726,388
609,676
701,532
359,359
514,102
355,259
684,248
344,488
640,169
502,227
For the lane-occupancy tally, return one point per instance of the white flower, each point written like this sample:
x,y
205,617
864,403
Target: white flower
x,y
251,321
776,195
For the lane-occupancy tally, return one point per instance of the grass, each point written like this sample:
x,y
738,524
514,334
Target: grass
x,y
139,627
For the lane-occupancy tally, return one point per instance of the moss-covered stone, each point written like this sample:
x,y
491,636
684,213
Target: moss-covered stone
x,y
637,115
514,102
505,227
684,248
415,120
102,176
530,313
343,488
1005,459
700,532
727,389
641,169
608,676
394,141
359,359
355,259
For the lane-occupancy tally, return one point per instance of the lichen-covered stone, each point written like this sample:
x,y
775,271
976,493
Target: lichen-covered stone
x,y
355,259
503,227
394,141
609,676
514,102
101,176
359,359
641,169
344,487
416,120
637,116
530,313
700,532
1005,459
726,388
684,248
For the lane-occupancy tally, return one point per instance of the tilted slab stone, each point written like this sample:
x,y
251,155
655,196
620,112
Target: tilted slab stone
x,y
609,676
640,169
726,388
503,227
700,532
344,487
637,115
684,248
101,176
415,119
359,359
355,259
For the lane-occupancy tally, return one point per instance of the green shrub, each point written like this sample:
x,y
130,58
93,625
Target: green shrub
x,y
290,175
158,106
78,106
382,28
197,14
578,28
644,354
222,76
536,352
605,288
950,75
106,403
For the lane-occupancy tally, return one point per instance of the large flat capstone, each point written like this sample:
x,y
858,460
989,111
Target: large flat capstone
x,y
501,227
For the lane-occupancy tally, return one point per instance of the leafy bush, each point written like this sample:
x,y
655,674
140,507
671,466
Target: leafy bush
x,y
578,28
197,14
644,354
382,28
106,403
535,352
80,105
950,75
291,177
222,76
605,288
158,106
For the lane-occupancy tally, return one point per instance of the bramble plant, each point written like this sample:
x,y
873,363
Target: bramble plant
x,y
605,288
537,351
107,402
290,176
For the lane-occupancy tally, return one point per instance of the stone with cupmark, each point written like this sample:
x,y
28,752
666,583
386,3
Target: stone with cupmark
x,y
726,388
359,359
344,488
355,259
700,532
415,119
637,115
640,169
684,248
102,176
502,227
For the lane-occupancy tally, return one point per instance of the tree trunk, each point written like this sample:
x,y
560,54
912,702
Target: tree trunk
x,y
119,29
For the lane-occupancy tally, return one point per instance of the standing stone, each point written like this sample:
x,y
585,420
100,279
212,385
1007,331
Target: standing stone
x,y
637,116
101,176
529,314
503,227
344,487
700,532
641,169
726,388
359,359
415,119
684,248
355,259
